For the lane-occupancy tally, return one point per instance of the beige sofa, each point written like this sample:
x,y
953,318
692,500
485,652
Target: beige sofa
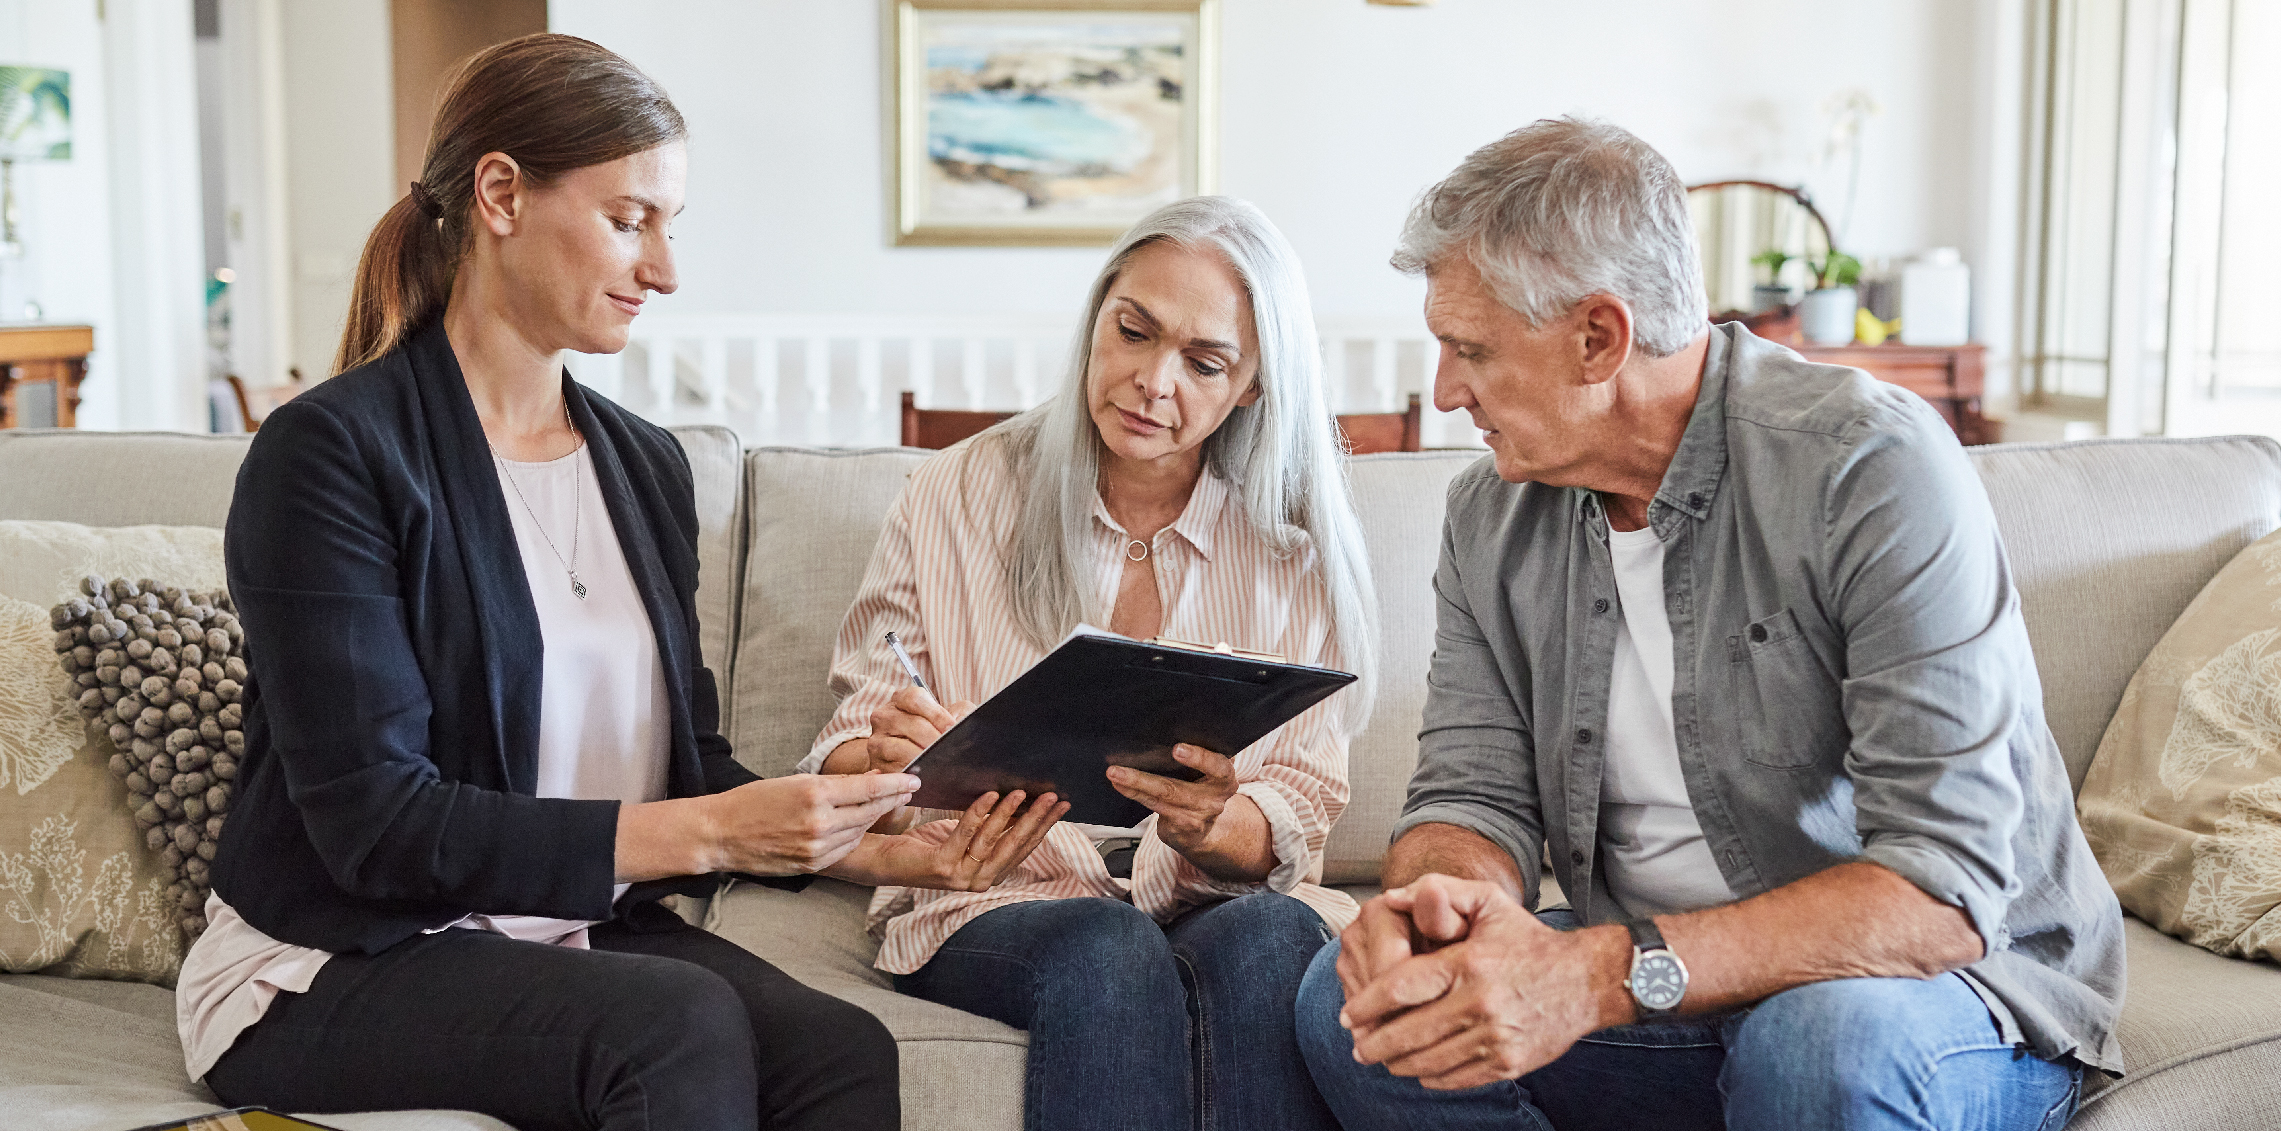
x,y
2109,540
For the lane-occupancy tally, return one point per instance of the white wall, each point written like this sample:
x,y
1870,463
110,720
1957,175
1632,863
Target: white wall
x,y
339,156
1335,113
66,204
112,236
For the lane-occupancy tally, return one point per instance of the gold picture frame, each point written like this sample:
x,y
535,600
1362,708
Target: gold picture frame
x,y
1044,123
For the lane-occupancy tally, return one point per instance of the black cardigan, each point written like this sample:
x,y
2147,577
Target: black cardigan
x,y
392,717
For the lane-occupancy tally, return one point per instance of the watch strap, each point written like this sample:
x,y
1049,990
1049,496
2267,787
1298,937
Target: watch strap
x,y
1645,936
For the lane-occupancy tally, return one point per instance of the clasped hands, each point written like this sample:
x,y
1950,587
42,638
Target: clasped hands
x,y
1454,983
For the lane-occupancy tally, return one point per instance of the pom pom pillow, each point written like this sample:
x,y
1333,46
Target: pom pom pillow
x,y
2182,804
81,892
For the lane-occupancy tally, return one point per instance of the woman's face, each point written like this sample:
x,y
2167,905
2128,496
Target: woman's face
x,y
1174,353
586,251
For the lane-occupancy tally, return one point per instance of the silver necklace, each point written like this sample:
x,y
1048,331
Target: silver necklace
x,y
577,506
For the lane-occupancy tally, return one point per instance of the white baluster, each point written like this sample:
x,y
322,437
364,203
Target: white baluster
x,y
1382,376
923,369
1026,373
867,375
816,370
663,405
767,425
970,372
1334,373
605,373
713,378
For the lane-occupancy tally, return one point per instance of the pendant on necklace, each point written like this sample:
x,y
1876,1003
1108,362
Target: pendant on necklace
x,y
578,587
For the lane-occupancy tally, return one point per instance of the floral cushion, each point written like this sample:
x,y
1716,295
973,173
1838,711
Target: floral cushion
x,y
2182,804
81,893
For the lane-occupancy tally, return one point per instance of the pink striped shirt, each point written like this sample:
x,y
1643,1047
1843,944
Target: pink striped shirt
x,y
938,580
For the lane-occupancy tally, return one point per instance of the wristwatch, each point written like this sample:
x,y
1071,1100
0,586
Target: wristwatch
x,y
1658,980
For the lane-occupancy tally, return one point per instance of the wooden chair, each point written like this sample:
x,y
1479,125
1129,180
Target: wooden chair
x,y
274,396
1364,432
246,417
942,427
1367,432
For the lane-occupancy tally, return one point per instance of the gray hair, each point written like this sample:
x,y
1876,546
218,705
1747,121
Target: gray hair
x,y
1562,209
1280,455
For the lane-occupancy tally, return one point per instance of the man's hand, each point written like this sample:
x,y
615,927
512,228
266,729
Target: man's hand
x,y
1507,997
1400,923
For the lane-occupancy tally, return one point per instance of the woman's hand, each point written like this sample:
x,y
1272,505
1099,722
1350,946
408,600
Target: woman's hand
x,y
1219,830
906,726
797,824
987,844
900,732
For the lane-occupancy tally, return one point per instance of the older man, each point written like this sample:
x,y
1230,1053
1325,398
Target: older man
x,y
1730,638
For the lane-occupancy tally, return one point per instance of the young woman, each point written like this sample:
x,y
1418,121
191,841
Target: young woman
x,y
1185,482
477,715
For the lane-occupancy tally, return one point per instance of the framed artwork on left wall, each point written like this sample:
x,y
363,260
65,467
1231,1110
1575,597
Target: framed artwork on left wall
x,y
1026,123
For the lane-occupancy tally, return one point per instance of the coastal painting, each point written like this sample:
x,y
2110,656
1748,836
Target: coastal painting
x,y
35,114
1018,125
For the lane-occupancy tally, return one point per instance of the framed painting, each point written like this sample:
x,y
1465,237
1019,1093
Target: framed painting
x,y
1025,123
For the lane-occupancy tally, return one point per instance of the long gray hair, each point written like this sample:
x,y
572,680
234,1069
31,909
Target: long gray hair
x,y
1280,455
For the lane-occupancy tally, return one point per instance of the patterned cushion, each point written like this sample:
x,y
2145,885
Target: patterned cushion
x,y
80,893
2183,801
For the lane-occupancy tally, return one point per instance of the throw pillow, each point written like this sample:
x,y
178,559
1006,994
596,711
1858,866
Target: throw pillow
x,y
2182,804
81,894
159,672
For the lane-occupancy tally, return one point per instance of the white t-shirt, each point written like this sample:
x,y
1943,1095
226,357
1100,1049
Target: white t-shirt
x,y
1651,847
604,734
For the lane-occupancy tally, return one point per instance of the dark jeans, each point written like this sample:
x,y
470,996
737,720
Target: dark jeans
x,y
1855,1053
1138,1027
660,1027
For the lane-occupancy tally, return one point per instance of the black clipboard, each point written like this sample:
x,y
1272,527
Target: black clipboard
x,y
1101,700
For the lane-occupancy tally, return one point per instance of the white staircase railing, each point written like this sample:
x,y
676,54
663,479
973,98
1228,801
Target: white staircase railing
x,y
834,380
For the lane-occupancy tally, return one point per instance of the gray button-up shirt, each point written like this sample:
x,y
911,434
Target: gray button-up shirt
x,y
1853,680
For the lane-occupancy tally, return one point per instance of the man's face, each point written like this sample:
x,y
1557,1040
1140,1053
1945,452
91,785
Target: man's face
x,y
1524,387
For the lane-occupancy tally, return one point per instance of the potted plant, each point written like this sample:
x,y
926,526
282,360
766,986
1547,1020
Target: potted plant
x,y
1773,294
1825,317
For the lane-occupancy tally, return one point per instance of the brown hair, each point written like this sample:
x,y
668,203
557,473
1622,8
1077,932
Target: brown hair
x,y
554,103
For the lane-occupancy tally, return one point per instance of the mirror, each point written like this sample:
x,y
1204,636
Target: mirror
x,y
1736,224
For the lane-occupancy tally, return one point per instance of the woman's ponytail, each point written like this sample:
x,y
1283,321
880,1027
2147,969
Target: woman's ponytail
x,y
402,280
553,103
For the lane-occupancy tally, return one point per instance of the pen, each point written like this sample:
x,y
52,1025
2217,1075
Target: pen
x,y
904,658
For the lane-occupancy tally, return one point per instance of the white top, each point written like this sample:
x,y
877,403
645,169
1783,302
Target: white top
x,y
604,734
1656,860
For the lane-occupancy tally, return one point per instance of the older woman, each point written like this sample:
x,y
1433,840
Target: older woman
x,y
1185,483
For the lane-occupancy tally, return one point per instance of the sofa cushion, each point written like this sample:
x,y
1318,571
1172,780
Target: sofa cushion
x,y
67,475
2183,801
959,1071
82,893
813,516
2201,1039
1399,498
2108,540
716,463
96,1056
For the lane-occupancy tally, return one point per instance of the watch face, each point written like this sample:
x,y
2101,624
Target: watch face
x,y
1658,980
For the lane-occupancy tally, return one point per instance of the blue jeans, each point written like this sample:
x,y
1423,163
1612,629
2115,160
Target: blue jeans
x,y
1855,1053
1133,1025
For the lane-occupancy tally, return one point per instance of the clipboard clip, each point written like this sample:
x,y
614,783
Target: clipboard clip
x,y
1221,649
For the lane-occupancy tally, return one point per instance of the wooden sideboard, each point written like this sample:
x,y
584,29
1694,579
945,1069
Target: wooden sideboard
x,y
54,355
1949,376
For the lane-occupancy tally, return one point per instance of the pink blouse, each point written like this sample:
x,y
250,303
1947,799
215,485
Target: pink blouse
x,y
938,580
